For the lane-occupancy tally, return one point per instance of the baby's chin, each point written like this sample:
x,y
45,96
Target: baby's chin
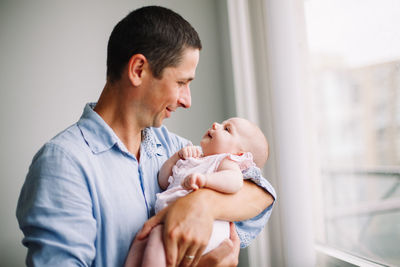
x,y
202,142
205,150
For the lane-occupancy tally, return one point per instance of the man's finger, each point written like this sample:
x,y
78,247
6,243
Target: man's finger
x,y
146,229
150,224
181,260
171,248
233,234
197,255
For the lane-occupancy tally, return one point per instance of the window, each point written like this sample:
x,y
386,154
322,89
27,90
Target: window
x,y
354,60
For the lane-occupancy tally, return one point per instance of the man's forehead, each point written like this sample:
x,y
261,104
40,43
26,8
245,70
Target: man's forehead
x,y
181,72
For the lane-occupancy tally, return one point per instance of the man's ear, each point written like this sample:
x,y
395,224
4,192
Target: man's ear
x,y
136,66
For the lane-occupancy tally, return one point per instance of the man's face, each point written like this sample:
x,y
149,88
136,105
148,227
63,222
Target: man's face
x,y
163,96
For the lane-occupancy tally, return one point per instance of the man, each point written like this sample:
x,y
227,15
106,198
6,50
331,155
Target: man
x,y
91,188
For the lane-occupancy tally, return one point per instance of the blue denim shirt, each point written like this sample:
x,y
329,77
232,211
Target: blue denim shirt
x,y
86,196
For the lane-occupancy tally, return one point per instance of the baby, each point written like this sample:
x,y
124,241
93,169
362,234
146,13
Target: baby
x,y
227,149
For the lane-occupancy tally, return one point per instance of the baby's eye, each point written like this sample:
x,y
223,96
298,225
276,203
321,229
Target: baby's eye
x,y
227,129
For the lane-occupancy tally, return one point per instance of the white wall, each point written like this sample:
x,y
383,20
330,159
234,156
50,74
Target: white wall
x,y
52,61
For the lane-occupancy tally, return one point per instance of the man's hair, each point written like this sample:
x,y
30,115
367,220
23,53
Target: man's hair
x,y
158,33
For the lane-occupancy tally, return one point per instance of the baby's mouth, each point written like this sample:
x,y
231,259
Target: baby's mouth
x,y
207,135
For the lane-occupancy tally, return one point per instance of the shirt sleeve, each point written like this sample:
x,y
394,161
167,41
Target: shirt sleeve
x,y
54,211
249,229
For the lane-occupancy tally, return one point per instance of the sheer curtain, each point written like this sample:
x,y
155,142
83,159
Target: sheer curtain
x,y
322,80
268,54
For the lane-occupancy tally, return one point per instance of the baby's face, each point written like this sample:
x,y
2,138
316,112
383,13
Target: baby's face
x,y
226,137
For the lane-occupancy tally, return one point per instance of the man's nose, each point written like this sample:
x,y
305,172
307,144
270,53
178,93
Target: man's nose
x,y
185,99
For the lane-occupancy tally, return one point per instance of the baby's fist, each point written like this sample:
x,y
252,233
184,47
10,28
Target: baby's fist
x,y
189,152
194,181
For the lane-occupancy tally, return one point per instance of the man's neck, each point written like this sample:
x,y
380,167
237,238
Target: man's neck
x,y
114,107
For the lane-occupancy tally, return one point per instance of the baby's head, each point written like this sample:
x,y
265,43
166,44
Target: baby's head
x,y
235,136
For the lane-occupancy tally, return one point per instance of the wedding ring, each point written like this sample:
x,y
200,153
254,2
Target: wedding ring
x,y
189,257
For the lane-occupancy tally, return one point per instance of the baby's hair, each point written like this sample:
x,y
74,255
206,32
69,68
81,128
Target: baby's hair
x,y
259,147
256,143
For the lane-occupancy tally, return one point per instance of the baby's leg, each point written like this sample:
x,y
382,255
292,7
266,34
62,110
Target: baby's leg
x,y
135,255
154,254
220,232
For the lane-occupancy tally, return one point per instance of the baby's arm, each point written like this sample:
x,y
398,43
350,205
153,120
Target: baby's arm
x,y
227,179
166,169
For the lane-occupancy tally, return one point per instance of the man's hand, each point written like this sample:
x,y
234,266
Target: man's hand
x,y
194,181
187,229
189,152
226,254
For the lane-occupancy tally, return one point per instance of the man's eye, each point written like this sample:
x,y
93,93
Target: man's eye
x,y
181,83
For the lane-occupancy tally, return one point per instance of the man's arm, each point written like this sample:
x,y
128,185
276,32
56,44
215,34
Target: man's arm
x,y
248,202
55,212
188,221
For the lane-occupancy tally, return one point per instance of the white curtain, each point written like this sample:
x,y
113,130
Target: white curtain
x,y
268,52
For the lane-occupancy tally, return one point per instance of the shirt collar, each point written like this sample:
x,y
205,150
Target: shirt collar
x,y
96,132
150,144
100,137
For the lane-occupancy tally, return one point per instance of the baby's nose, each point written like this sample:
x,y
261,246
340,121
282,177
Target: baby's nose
x,y
215,125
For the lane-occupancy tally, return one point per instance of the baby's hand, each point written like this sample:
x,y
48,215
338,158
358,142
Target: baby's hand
x,y
194,181
189,152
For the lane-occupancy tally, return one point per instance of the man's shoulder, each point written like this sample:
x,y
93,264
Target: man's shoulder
x,y
70,136
68,141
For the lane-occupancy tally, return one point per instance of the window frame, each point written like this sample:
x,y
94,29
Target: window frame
x,y
269,54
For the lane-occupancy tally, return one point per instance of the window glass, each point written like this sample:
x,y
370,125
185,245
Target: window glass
x,y
354,49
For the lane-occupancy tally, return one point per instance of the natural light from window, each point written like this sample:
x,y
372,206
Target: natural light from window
x,y
354,49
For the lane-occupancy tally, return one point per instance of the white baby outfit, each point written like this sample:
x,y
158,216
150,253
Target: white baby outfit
x,y
203,165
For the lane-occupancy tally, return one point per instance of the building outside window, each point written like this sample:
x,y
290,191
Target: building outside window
x,y
354,60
